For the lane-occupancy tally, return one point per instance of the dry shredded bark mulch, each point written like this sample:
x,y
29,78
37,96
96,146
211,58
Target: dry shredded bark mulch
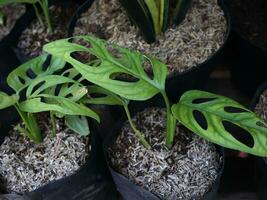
x,y
11,14
36,35
25,166
197,38
261,108
187,171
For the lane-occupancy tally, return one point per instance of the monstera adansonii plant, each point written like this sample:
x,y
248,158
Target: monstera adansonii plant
x,y
43,84
206,114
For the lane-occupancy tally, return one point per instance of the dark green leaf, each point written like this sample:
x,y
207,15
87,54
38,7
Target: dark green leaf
x,y
213,112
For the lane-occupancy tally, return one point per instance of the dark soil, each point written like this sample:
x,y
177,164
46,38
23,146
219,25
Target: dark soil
x,y
34,37
249,19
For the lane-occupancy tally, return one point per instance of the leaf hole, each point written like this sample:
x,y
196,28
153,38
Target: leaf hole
x,y
261,124
37,86
202,100
123,77
69,95
114,51
46,63
57,89
147,65
31,74
231,109
200,119
239,133
21,80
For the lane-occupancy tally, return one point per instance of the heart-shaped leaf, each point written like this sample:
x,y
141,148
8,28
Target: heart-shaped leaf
x,y
104,75
208,114
6,100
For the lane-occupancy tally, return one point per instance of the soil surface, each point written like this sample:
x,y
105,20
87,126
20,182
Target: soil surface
x,y
249,19
187,171
25,166
261,108
11,14
36,35
197,38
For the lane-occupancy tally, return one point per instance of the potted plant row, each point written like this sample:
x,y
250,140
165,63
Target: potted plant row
x,y
247,44
150,148
43,147
186,35
259,106
44,21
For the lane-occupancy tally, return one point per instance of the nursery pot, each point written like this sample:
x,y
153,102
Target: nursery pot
x,y
91,181
128,189
261,165
12,39
177,83
247,60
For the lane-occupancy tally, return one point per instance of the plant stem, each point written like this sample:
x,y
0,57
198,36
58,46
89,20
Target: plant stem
x,y
53,122
38,14
32,130
171,123
136,131
44,6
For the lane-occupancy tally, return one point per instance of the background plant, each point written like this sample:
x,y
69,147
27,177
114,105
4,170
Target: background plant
x,y
43,4
153,16
42,84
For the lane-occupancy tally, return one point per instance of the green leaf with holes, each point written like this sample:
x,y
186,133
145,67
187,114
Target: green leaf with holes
x,y
104,75
218,109
59,104
7,101
25,74
78,124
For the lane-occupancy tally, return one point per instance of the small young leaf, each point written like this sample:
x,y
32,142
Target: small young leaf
x,y
215,115
6,100
77,124
101,75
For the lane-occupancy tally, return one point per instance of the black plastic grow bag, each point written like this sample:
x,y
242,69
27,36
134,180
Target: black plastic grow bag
x,y
177,83
261,165
92,181
127,189
24,21
247,61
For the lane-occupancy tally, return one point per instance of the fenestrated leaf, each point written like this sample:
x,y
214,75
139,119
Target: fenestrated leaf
x,y
25,74
214,112
45,82
6,100
77,124
130,62
59,104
